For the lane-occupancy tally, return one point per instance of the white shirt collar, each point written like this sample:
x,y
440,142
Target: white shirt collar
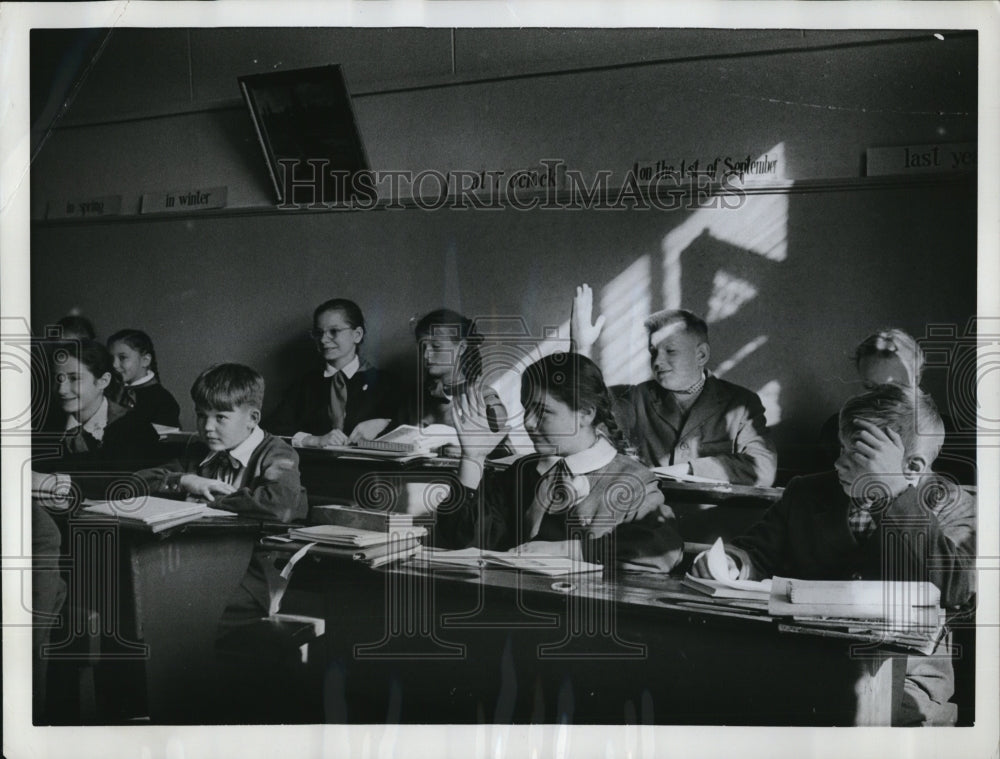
x,y
244,450
588,460
95,425
349,371
142,380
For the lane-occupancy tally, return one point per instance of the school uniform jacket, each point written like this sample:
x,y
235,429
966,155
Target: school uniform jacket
x,y
128,443
623,516
931,530
305,407
724,436
271,488
155,404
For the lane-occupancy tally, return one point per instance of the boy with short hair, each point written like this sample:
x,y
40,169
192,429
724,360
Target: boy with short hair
x,y
236,466
881,515
684,419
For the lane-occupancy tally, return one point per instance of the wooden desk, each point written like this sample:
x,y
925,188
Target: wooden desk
x,y
159,599
415,646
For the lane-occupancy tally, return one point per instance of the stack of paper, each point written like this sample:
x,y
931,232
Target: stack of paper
x,y
372,547
366,519
155,514
474,558
409,439
344,536
901,605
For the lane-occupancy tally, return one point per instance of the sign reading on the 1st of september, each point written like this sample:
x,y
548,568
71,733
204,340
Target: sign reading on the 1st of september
x,y
922,159
197,199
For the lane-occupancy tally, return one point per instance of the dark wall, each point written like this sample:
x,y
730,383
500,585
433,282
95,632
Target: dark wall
x,y
243,288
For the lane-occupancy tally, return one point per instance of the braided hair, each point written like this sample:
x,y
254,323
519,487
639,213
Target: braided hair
x,y
578,382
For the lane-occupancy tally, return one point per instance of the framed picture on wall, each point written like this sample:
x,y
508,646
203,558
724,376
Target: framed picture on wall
x,y
306,127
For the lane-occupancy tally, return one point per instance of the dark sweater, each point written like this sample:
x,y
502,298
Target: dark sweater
x,y
305,407
155,404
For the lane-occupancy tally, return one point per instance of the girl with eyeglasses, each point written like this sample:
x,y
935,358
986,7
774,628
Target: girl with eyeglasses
x,y
348,399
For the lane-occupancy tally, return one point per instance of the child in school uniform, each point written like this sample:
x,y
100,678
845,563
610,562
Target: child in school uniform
x,y
88,433
880,515
349,399
450,362
236,466
891,356
685,420
135,362
577,496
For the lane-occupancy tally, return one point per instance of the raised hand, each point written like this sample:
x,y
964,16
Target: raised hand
x,y
583,334
471,421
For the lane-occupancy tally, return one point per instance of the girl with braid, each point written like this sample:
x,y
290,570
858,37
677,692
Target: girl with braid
x,y
577,496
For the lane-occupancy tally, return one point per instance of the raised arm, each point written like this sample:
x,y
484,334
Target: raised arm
x,y
582,332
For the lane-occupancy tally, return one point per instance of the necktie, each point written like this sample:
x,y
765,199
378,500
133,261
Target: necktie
x,y
861,517
78,441
223,467
338,400
555,494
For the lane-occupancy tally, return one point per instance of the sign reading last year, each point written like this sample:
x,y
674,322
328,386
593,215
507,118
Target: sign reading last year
x,y
922,159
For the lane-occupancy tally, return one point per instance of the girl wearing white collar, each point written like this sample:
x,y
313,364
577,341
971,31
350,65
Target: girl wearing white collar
x,y
578,496
135,362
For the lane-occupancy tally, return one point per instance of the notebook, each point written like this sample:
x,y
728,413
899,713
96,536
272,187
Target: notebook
x,y
474,558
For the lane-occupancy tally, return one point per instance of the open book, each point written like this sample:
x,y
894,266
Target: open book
x,y
663,473
156,514
721,584
474,558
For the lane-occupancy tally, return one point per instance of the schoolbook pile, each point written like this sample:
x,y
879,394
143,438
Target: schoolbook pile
x,y
906,614
372,537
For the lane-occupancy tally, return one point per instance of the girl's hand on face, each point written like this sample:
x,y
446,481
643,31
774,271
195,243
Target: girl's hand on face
x,y
471,421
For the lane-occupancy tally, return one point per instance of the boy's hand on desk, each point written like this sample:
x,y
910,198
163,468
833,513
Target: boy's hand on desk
x,y
582,333
333,437
368,429
203,487
737,562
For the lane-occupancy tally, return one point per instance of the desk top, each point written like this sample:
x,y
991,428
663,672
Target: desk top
x,y
310,458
